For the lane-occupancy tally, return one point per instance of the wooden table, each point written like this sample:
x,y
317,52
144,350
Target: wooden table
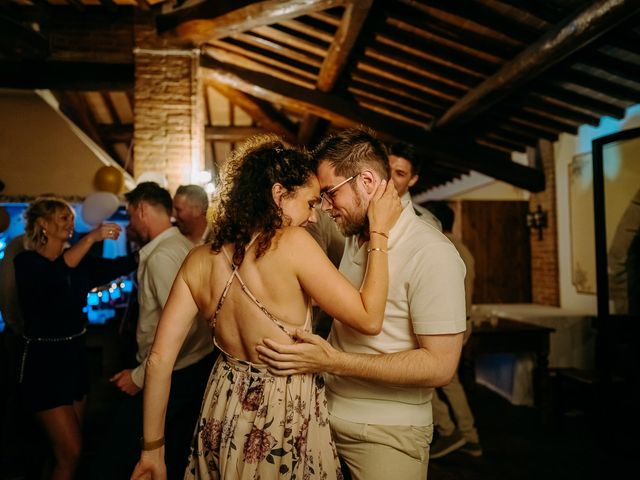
x,y
502,335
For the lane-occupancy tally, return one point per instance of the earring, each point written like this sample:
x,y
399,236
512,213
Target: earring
x,y
43,236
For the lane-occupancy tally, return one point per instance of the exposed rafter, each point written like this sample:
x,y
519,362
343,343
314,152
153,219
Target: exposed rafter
x,y
353,18
263,113
443,149
569,36
119,133
220,19
355,13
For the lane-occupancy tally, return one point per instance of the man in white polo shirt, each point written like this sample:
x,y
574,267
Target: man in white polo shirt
x,y
379,387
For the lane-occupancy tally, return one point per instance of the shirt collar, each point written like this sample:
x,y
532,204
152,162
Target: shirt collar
x,y
405,218
151,246
405,199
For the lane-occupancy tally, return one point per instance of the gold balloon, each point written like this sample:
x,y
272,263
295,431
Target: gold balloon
x,y
5,219
109,179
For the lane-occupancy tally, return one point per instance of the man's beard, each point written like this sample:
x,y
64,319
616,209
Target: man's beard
x,y
357,221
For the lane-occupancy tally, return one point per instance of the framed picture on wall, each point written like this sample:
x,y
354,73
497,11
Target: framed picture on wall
x,y
582,225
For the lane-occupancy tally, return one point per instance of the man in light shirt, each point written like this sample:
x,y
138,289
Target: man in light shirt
x,y
190,205
163,251
405,171
379,388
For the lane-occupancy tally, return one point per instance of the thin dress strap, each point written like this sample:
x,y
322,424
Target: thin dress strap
x,y
245,289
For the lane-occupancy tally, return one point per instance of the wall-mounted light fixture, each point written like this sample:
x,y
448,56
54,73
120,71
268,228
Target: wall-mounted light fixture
x,y
537,220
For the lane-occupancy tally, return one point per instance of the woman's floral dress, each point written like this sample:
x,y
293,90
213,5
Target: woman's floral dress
x,y
254,425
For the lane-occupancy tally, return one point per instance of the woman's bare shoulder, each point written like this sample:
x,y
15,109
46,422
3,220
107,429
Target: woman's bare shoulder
x,y
296,235
198,262
296,241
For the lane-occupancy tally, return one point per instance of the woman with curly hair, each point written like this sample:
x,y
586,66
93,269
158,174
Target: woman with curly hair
x,y
254,280
52,282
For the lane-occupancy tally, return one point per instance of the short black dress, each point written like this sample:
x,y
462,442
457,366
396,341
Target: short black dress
x,y
54,370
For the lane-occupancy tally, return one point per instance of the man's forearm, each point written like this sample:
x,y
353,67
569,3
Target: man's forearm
x,y
411,368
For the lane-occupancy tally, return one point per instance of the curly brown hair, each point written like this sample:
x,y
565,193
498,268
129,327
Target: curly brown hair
x,y
244,204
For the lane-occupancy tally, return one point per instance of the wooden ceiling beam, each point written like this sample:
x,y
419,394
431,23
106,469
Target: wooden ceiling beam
x,y
599,84
380,97
579,100
263,113
503,142
382,108
428,86
351,23
116,133
514,27
279,49
474,50
541,104
222,55
308,30
231,134
353,18
287,39
425,108
612,65
567,37
444,149
223,18
123,133
435,104
75,107
524,128
398,60
232,44
435,53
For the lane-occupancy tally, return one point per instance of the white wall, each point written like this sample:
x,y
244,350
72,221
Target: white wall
x,y
566,148
42,152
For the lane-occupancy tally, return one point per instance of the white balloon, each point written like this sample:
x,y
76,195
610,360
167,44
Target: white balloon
x,y
99,206
157,177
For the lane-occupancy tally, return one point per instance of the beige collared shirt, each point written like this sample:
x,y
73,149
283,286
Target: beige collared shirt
x,y
160,261
422,213
426,297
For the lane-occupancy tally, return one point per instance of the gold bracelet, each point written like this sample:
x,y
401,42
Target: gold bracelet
x,y
147,446
380,233
369,250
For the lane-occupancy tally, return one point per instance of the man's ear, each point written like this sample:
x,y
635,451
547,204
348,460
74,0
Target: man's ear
x,y
277,192
413,180
370,181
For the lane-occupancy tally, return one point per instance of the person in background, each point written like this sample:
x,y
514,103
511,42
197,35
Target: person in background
x,y
13,432
256,279
405,171
190,205
462,434
163,250
379,387
52,282
9,305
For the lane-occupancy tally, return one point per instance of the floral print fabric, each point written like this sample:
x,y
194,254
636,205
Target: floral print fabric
x,y
254,425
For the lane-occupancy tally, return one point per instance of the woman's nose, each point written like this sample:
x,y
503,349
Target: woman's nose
x,y
313,218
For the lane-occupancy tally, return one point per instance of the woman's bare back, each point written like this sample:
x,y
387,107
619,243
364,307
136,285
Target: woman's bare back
x,y
240,323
